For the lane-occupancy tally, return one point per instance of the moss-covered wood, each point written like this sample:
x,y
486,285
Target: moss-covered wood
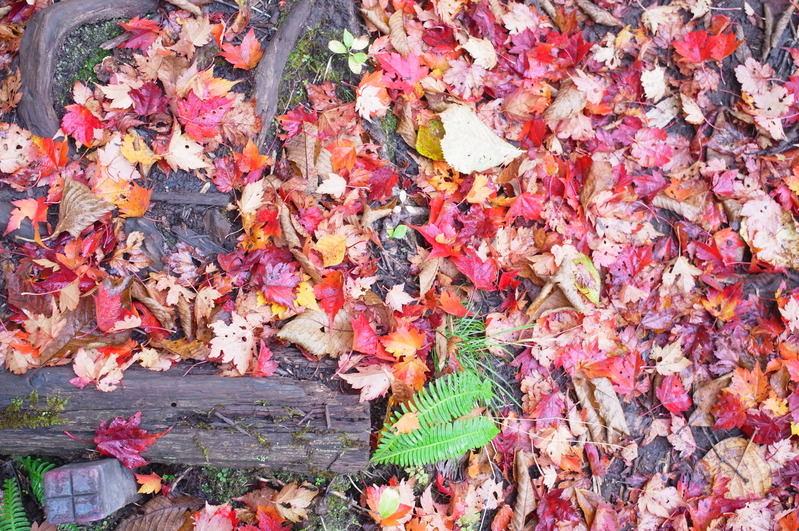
x,y
273,422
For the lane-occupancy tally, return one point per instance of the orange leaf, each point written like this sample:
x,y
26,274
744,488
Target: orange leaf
x,y
150,483
32,209
135,203
410,371
403,342
249,159
407,423
333,248
246,55
343,154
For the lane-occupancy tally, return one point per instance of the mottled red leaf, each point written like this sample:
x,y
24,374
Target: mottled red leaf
x,y
526,205
80,123
483,274
124,440
364,338
278,283
672,395
330,293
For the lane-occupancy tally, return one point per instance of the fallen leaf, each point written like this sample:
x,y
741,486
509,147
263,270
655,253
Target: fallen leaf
x,y
751,475
372,380
150,483
124,440
469,145
292,501
78,209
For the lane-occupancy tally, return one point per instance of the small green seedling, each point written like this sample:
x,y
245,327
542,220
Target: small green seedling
x,y
398,232
351,47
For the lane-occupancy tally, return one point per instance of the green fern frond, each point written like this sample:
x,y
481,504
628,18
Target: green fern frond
x,y
449,397
436,443
36,468
12,513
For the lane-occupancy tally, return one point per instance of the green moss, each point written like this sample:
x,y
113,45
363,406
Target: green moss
x,y
202,447
30,413
79,55
339,516
388,126
223,484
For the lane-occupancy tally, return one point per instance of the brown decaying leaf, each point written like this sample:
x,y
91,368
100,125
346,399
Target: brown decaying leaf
x,y
79,208
397,35
743,462
311,331
598,15
289,233
569,101
192,6
44,526
163,514
604,415
705,397
427,275
525,495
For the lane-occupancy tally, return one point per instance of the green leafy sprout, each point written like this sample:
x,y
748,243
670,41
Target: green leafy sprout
x,y
351,47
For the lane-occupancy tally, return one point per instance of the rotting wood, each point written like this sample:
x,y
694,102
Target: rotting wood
x,y
192,198
244,422
39,52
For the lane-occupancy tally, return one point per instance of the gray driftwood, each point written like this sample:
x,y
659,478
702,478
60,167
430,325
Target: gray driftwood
x,y
272,422
39,52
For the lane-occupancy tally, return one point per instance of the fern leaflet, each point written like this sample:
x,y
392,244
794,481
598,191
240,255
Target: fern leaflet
x,y
12,513
443,441
36,468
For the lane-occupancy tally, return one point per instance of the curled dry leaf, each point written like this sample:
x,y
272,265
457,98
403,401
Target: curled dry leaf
x,y
742,461
569,101
311,331
705,397
525,496
599,15
398,37
163,513
604,415
469,145
79,208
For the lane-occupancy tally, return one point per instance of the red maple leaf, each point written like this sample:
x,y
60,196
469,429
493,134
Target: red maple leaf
x,y
526,205
402,73
765,429
483,274
148,99
729,411
246,55
144,32
364,338
265,366
124,440
202,118
80,122
650,147
32,209
330,293
278,283
672,395
699,46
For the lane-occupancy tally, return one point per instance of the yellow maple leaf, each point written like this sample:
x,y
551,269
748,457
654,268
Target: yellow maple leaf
x,y
150,483
333,247
305,296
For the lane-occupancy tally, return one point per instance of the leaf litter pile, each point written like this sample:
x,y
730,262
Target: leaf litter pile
x,y
607,193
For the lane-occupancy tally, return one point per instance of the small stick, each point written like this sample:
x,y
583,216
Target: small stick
x,y
768,31
231,423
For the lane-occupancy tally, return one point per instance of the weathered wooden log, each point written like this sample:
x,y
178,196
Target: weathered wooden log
x,y
38,52
245,422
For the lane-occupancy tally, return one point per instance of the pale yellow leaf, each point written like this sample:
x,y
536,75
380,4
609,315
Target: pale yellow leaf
x,y
333,248
469,145
184,153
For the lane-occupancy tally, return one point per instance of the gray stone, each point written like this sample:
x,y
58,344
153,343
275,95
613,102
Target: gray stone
x,y
84,492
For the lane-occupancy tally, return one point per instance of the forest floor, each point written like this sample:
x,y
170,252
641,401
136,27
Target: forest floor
x,y
572,223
